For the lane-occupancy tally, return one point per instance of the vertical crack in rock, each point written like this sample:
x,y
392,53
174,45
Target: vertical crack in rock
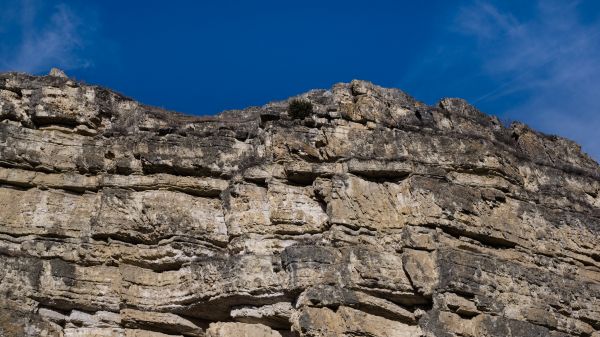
x,y
372,214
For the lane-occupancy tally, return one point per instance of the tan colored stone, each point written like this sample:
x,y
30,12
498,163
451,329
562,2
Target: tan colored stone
x,y
347,321
159,320
422,270
223,329
360,203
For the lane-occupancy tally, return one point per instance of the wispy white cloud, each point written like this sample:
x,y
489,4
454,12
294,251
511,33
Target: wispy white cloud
x,y
41,37
550,58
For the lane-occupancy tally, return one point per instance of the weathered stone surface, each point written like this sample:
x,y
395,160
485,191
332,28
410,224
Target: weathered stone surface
x,y
375,216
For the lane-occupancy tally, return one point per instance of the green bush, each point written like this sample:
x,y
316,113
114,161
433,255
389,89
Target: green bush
x,y
300,109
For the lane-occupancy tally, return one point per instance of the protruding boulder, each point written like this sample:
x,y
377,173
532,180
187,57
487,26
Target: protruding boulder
x,y
57,73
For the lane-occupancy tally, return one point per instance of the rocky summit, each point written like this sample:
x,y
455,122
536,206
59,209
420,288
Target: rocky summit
x,y
354,211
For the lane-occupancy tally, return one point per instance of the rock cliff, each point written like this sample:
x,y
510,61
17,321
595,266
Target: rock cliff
x,y
376,215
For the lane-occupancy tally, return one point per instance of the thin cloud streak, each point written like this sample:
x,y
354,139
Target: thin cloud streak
x,y
56,41
550,58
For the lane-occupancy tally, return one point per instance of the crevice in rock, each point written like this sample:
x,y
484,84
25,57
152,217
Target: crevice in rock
x,y
52,236
219,309
418,115
381,177
120,237
301,179
43,121
17,91
289,333
151,168
413,300
260,182
157,241
484,240
15,186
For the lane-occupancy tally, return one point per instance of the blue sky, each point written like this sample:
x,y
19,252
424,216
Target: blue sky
x,y
533,61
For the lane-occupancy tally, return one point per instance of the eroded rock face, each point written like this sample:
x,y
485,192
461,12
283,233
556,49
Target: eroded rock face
x,y
375,216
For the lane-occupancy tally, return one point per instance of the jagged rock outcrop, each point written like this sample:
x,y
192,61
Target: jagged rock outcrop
x,y
376,215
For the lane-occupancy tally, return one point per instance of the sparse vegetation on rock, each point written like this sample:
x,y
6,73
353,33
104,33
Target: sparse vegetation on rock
x,y
300,108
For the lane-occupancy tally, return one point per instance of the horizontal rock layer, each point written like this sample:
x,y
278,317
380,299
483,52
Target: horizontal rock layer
x,y
376,215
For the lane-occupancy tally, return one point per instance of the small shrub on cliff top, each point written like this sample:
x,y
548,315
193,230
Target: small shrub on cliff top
x,y
300,109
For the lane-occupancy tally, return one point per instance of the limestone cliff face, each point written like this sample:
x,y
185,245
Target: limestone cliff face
x,y
376,215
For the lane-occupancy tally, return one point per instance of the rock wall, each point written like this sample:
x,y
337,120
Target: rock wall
x,y
377,215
